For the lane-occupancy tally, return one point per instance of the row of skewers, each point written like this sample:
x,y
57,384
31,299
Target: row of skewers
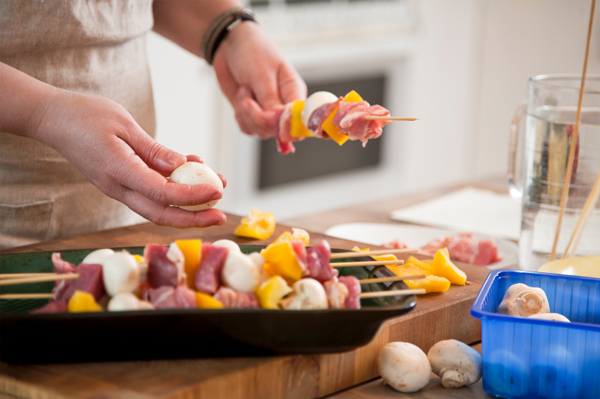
x,y
190,274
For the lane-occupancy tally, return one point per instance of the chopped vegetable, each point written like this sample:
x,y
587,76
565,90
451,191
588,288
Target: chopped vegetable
x,y
83,302
257,225
296,234
205,301
442,266
334,131
430,284
272,291
191,250
297,128
282,261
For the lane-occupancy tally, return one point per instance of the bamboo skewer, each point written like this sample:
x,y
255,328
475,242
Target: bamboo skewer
x,y
574,138
389,118
355,254
40,279
391,293
23,275
27,296
395,278
588,208
367,263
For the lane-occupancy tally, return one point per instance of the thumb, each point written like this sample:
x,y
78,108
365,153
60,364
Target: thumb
x,y
155,155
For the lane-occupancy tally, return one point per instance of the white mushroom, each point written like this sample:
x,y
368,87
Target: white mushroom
x,y
232,246
522,300
404,366
457,364
120,273
259,263
549,316
196,173
240,273
127,301
314,101
98,256
307,294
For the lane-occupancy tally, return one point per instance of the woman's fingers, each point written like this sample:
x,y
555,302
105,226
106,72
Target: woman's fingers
x,y
291,86
164,215
155,155
254,117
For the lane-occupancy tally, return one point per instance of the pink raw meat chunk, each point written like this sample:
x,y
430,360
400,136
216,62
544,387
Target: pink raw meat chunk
x,y
350,118
167,297
318,262
161,271
208,275
353,299
89,280
52,307
238,300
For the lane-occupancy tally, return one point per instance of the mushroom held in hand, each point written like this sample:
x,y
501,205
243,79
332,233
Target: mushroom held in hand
x,y
455,363
196,173
404,366
523,300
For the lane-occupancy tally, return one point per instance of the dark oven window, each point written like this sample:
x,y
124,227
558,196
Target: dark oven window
x,y
316,157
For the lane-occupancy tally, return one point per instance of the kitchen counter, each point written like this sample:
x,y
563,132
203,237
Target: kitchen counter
x,y
436,317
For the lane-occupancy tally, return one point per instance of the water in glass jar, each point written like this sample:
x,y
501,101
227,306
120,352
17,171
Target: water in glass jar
x,y
546,150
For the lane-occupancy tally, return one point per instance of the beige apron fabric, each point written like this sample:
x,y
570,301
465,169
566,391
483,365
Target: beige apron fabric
x,y
96,47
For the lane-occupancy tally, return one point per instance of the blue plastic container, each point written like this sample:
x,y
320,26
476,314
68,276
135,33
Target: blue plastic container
x,y
528,358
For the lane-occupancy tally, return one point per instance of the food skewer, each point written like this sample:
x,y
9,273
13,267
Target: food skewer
x,y
27,296
391,293
23,275
574,138
368,263
389,118
355,254
39,279
394,278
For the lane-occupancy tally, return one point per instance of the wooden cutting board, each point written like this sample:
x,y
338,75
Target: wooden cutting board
x,y
436,317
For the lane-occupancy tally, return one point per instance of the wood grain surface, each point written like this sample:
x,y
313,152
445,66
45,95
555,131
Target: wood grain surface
x,y
436,317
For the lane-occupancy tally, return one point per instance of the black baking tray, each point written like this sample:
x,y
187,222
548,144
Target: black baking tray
x,y
185,333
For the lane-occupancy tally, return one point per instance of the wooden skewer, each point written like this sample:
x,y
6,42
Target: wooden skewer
x,y
574,138
395,278
586,212
391,293
41,279
23,275
355,254
388,118
26,296
367,263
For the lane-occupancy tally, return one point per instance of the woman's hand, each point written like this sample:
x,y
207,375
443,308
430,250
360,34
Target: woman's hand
x,y
101,139
256,78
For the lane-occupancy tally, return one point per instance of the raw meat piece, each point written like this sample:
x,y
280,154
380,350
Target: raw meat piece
x,y
318,262
237,300
353,299
282,131
396,244
52,307
167,297
465,248
350,117
327,111
337,293
61,267
90,279
301,256
208,275
161,270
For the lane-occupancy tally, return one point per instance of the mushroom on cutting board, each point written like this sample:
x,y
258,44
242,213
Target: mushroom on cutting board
x,y
523,300
457,364
404,366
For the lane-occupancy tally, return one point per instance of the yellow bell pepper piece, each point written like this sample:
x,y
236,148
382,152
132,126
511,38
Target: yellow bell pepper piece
x,y
334,131
380,257
257,225
205,301
429,284
295,235
408,269
272,291
442,266
297,128
83,302
282,261
423,264
139,258
192,253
